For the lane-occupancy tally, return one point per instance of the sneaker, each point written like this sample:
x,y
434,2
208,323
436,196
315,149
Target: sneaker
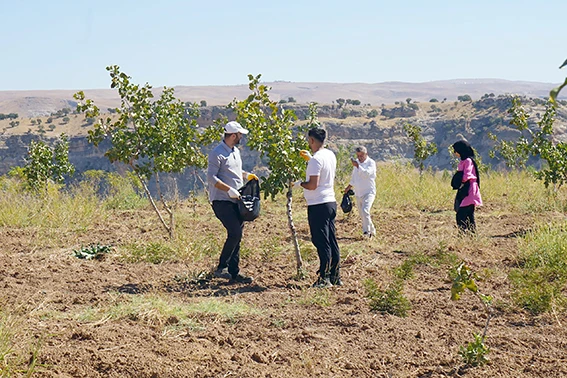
x,y
322,283
222,273
239,278
336,281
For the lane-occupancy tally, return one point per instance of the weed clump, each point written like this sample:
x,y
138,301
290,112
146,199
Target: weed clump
x,y
92,252
390,301
542,274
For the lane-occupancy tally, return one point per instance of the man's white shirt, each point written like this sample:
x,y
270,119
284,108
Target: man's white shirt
x,y
363,178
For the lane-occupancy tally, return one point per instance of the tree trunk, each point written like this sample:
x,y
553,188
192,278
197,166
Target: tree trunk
x,y
168,209
167,228
293,231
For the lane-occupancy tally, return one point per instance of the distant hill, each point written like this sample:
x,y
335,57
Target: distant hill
x,y
41,103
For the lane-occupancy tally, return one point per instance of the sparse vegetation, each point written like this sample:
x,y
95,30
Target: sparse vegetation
x,y
422,149
390,300
92,252
475,352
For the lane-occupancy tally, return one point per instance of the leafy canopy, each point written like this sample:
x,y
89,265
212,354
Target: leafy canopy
x,y
45,164
149,135
274,133
538,143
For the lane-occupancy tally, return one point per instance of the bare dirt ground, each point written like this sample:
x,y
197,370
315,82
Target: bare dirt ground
x,y
290,329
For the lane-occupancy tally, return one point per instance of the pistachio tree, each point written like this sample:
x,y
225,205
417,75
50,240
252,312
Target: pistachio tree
x,y
46,164
276,134
466,280
150,135
538,143
421,148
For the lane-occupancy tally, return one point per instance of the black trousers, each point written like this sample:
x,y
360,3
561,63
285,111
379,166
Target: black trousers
x,y
227,212
465,219
321,219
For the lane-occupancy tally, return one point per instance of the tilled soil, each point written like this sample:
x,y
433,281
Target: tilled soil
x,y
291,330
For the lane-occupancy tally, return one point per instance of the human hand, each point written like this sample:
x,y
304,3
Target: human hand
x,y
297,184
306,155
233,193
252,176
354,162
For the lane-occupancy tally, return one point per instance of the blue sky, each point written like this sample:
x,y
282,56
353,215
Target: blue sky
x,y
63,44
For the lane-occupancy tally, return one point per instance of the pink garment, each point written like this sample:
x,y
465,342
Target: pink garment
x,y
469,173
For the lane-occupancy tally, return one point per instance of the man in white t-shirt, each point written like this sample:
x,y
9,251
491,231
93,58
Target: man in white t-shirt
x,y
363,180
319,193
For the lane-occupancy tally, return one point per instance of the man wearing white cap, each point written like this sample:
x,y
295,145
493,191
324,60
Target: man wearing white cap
x,y
225,176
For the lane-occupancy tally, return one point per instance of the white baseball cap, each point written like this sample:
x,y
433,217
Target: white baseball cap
x,y
234,127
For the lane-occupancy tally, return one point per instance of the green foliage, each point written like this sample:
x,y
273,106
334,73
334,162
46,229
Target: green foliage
x,y
150,136
45,164
8,116
391,301
344,153
539,281
465,280
555,91
539,144
372,114
464,98
274,133
421,148
405,270
92,252
474,354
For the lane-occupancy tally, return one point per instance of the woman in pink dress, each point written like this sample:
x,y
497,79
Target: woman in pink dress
x,y
468,193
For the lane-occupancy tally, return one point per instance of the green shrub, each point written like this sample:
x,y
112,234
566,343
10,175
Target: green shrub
x,y
391,301
539,281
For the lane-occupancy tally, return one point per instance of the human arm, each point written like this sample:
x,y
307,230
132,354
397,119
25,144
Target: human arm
x,y
312,184
368,168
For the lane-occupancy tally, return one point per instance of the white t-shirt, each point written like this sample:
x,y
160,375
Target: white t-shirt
x,y
322,164
363,178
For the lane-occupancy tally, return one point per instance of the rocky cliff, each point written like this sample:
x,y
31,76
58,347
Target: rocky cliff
x,y
443,123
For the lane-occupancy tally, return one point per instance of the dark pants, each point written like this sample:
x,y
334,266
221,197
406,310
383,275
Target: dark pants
x,y
465,219
321,219
227,212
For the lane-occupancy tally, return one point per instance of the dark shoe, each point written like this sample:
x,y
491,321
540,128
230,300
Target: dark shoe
x,y
322,283
239,278
336,281
222,273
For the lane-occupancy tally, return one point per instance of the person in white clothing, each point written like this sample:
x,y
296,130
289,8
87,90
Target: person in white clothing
x,y
319,194
363,180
